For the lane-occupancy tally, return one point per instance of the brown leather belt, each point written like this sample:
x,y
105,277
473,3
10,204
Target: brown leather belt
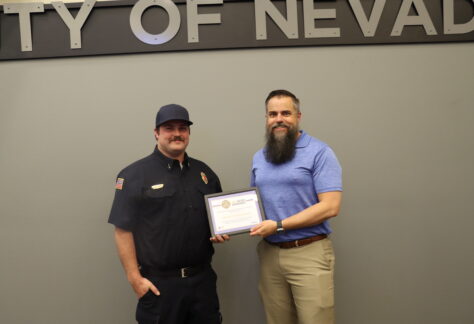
x,y
300,242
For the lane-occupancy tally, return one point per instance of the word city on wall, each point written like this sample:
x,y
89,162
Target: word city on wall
x,y
288,23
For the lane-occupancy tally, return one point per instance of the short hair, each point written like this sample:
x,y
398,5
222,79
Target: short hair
x,y
283,93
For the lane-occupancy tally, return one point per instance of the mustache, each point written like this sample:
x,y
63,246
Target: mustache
x,y
279,124
176,138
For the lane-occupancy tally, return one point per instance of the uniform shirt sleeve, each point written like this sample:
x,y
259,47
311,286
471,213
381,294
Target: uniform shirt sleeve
x,y
327,172
124,210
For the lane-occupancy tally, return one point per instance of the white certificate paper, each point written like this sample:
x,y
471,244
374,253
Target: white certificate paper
x,y
234,212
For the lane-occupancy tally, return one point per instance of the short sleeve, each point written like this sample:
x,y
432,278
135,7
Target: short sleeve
x,y
327,174
125,206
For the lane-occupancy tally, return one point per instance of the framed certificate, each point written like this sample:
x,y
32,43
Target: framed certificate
x,y
234,212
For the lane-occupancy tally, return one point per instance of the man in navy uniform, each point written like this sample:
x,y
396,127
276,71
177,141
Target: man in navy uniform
x,y
162,231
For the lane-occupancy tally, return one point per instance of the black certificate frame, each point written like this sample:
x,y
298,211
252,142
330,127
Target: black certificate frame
x,y
233,193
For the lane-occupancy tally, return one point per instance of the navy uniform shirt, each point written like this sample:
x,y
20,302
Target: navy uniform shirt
x,y
163,206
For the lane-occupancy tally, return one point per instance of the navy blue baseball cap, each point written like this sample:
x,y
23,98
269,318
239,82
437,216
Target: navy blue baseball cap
x,y
172,112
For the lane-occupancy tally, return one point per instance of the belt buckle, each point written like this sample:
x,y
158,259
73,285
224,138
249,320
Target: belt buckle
x,y
183,273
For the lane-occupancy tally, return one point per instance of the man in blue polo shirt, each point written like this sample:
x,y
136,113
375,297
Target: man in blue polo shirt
x,y
299,179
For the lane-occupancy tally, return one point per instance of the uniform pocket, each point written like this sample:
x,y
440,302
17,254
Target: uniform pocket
x,y
146,296
158,202
165,192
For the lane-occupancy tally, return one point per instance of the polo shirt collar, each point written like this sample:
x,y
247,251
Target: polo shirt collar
x,y
303,140
168,162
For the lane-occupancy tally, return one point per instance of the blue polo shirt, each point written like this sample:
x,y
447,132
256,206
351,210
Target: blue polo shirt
x,y
288,188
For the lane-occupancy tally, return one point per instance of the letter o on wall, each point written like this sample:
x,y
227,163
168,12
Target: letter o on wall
x,y
136,21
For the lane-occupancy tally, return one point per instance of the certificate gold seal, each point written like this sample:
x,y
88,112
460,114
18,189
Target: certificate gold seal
x,y
225,204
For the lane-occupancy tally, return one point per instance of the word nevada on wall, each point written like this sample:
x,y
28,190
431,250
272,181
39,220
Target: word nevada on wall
x,y
35,30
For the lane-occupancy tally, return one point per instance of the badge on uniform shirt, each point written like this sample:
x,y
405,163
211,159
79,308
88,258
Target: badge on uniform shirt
x,y
157,186
119,183
204,178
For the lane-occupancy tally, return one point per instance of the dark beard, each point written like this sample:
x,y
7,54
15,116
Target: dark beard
x,y
280,150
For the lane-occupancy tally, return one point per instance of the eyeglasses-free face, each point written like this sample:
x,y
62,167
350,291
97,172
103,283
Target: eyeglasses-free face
x,y
282,115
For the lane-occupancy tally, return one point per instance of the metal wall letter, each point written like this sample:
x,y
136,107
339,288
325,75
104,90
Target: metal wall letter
x,y
368,25
310,14
23,10
289,26
449,26
142,34
423,18
195,19
74,24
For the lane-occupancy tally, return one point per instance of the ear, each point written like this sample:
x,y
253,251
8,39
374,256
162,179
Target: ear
x,y
156,132
299,116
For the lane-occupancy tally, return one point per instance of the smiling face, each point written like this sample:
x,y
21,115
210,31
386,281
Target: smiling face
x,y
282,116
282,131
172,139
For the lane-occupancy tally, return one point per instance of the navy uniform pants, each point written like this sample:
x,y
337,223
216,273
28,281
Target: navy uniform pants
x,y
191,300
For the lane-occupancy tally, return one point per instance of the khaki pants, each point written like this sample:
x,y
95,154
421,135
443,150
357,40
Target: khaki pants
x,y
297,284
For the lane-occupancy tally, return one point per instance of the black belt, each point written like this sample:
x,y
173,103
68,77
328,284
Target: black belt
x,y
180,273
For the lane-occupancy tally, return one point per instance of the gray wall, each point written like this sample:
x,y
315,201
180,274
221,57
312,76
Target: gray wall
x,y
400,119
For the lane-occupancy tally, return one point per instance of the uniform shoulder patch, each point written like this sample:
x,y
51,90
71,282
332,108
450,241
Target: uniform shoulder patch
x,y
119,183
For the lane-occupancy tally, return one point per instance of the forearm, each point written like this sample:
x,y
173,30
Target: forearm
x,y
327,207
313,215
127,254
308,217
128,257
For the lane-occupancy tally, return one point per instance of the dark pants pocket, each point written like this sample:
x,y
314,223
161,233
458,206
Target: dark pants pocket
x,y
147,310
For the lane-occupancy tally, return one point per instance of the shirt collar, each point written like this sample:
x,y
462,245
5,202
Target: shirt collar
x,y
303,140
168,162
